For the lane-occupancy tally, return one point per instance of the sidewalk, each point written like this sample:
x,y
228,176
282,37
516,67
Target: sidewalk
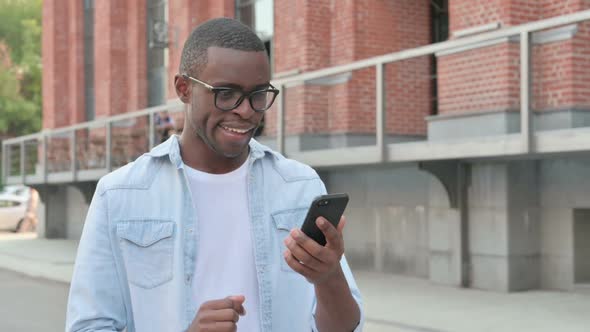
x,y
392,303
42,258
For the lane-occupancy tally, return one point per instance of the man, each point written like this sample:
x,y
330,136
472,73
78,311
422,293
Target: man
x,y
164,125
202,233
30,221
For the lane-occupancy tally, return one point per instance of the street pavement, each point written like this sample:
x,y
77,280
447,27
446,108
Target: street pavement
x,y
31,304
392,303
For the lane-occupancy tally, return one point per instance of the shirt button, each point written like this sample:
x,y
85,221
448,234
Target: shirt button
x,y
188,279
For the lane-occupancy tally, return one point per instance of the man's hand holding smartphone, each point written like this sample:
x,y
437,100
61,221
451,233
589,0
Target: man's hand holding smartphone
x,y
336,308
316,262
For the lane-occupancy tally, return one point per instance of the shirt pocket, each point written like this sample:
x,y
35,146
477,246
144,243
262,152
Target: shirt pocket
x,y
284,222
148,251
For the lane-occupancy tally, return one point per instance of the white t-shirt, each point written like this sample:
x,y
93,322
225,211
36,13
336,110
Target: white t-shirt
x,y
225,256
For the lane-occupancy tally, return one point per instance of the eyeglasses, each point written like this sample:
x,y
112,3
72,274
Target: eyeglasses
x,y
227,99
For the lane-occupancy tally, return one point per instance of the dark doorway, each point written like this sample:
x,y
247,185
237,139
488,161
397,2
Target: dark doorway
x,y
581,246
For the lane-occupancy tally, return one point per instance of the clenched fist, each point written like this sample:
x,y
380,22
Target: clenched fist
x,y
219,315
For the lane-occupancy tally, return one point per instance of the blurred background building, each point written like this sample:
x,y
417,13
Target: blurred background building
x,y
459,128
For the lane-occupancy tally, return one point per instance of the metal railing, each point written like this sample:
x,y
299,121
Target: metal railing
x,y
83,151
403,152
88,150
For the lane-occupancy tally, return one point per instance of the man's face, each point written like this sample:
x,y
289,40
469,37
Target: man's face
x,y
228,132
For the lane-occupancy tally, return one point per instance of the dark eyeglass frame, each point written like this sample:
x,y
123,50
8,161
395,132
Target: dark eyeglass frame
x,y
216,90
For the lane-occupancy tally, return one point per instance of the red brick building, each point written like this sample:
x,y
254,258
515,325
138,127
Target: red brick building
x,y
103,58
522,222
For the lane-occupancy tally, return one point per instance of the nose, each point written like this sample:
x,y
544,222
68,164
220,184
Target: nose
x,y
244,110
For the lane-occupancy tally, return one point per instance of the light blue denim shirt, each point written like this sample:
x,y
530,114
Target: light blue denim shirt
x,y
136,257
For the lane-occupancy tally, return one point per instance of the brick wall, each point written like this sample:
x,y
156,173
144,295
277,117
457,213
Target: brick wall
x,y
60,58
466,14
392,27
183,17
408,96
75,57
301,43
327,33
120,78
479,80
120,71
581,63
109,56
137,85
550,8
561,69
178,30
318,34
488,79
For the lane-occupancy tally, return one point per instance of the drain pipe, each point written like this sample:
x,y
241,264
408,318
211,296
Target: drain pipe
x,y
463,179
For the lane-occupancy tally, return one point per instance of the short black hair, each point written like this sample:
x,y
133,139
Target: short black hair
x,y
219,32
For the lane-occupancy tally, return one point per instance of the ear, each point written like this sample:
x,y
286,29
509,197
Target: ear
x,y
182,88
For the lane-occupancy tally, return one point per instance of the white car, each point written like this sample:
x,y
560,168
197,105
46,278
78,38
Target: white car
x,y
18,190
12,211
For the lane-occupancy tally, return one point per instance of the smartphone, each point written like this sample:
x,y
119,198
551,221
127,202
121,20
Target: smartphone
x,y
330,207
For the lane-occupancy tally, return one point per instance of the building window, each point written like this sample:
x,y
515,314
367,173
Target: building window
x,y
440,20
157,42
89,59
259,16
439,10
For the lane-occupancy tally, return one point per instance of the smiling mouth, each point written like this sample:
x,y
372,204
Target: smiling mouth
x,y
240,131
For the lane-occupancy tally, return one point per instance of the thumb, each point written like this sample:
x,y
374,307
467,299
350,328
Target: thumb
x,y
237,298
341,224
238,301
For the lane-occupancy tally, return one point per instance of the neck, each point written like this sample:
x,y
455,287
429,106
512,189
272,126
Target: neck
x,y
198,155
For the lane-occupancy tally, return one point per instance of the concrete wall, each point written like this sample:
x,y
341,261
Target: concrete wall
x,y
565,186
77,209
504,226
488,226
387,228
520,223
524,259
444,236
41,219
502,122
55,201
527,222
62,212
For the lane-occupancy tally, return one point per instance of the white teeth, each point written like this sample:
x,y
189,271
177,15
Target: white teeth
x,y
238,131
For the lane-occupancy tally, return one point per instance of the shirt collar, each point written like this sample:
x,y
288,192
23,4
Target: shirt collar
x,y
171,148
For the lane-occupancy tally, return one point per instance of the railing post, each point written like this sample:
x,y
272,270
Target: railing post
x,y
379,252
44,158
380,116
281,121
3,165
108,144
73,154
151,130
5,162
525,92
22,160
